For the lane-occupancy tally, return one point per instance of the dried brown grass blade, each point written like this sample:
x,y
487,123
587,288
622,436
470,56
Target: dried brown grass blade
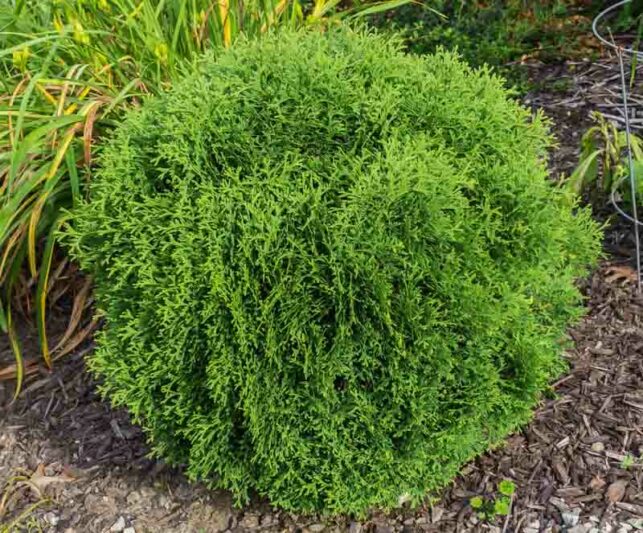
x,y
80,337
10,372
76,314
88,130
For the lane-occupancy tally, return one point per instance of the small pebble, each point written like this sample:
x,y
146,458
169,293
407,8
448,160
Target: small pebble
x,y
118,526
250,521
571,518
636,523
267,520
52,518
436,514
598,447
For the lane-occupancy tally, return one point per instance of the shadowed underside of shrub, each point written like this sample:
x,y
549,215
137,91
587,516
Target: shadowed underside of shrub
x,y
331,272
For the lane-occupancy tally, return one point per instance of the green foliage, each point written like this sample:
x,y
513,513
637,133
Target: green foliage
x,y
506,487
491,507
502,506
498,32
68,71
476,502
629,461
330,272
604,164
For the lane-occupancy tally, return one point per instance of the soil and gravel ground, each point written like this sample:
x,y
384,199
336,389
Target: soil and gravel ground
x,y
578,467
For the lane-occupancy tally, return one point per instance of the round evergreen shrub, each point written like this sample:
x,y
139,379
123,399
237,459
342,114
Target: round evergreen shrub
x,y
331,273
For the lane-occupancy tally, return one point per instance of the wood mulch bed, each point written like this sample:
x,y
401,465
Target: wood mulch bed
x,y
578,467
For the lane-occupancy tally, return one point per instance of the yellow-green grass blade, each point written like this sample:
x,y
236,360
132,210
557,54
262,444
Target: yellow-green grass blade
x,y
12,208
3,318
123,96
72,172
29,43
13,337
16,349
380,7
34,140
15,524
43,287
51,180
583,173
16,156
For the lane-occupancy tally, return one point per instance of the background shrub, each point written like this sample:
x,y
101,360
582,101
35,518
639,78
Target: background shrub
x,y
502,33
331,272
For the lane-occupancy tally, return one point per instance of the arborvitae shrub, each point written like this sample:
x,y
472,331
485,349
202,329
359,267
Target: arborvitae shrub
x,y
331,272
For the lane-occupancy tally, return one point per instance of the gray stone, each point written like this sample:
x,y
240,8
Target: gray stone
x,y
598,447
209,517
95,504
118,526
571,518
636,523
267,520
249,521
52,518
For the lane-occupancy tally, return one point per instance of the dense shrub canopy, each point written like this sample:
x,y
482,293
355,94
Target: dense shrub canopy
x,y
331,272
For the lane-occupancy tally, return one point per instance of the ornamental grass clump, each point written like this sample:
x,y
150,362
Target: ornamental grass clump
x,y
330,272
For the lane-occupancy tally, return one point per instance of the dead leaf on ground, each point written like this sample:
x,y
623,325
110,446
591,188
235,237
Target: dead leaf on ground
x,y
39,481
616,491
597,483
620,273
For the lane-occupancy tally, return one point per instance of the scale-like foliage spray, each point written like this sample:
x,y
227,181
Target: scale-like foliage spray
x,y
331,272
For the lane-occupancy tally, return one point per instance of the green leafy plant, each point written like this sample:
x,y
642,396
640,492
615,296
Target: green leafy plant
x,y
603,162
331,272
477,502
506,487
501,33
494,506
628,461
68,71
